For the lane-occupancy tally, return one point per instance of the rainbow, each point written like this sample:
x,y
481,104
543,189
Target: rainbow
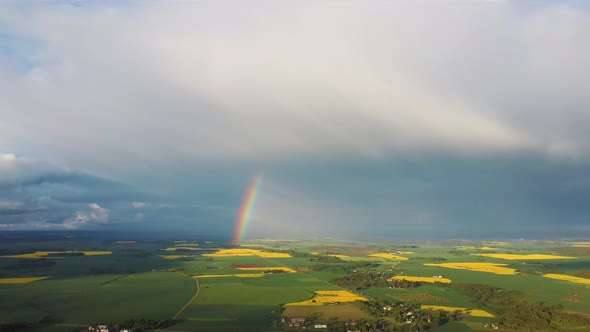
x,y
246,209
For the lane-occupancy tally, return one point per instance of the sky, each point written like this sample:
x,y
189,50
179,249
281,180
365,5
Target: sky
x,y
362,118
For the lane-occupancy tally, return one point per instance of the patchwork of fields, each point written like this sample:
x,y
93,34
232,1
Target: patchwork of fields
x,y
254,285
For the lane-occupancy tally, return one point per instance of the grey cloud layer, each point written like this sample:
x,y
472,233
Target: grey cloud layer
x,y
186,100
37,194
208,81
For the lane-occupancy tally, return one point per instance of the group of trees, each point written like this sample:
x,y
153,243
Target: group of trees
x,y
142,324
366,278
26,264
514,310
400,312
342,267
9,326
430,259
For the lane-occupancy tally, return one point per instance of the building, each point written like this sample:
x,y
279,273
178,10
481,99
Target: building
x,y
296,321
103,328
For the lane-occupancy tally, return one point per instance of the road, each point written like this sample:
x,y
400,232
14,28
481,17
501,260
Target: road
x,y
190,301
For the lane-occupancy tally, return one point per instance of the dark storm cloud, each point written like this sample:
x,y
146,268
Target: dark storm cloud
x,y
428,195
38,194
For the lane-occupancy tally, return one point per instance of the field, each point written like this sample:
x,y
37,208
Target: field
x,y
58,254
389,256
323,297
342,311
470,312
568,278
424,279
480,267
174,256
213,286
24,280
523,257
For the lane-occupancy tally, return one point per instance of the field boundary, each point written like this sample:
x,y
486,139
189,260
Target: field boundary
x,y
189,301
114,279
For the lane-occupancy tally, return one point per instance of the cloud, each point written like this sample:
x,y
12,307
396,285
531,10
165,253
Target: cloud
x,y
327,80
9,207
18,171
186,109
138,216
96,215
37,194
138,205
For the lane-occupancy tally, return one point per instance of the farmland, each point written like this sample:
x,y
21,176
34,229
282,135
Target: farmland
x,y
20,280
480,267
263,284
470,312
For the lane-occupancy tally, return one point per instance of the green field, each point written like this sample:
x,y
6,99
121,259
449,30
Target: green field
x,y
135,282
90,299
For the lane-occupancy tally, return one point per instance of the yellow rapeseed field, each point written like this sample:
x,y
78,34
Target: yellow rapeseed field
x,y
39,254
184,247
470,312
497,243
480,267
423,279
267,254
465,248
523,257
96,253
174,256
239,275
20,280
325,297
389,256
486,248
565,277
404,252
247,252
282,268
339,256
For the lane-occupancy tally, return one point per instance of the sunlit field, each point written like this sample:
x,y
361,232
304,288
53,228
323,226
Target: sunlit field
x,y
328,297
237,275
58,254
471,312
174,256
247,252
271,268
20,280
253,287
180,247
524,257
495,268
568,278
423,279
389,256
